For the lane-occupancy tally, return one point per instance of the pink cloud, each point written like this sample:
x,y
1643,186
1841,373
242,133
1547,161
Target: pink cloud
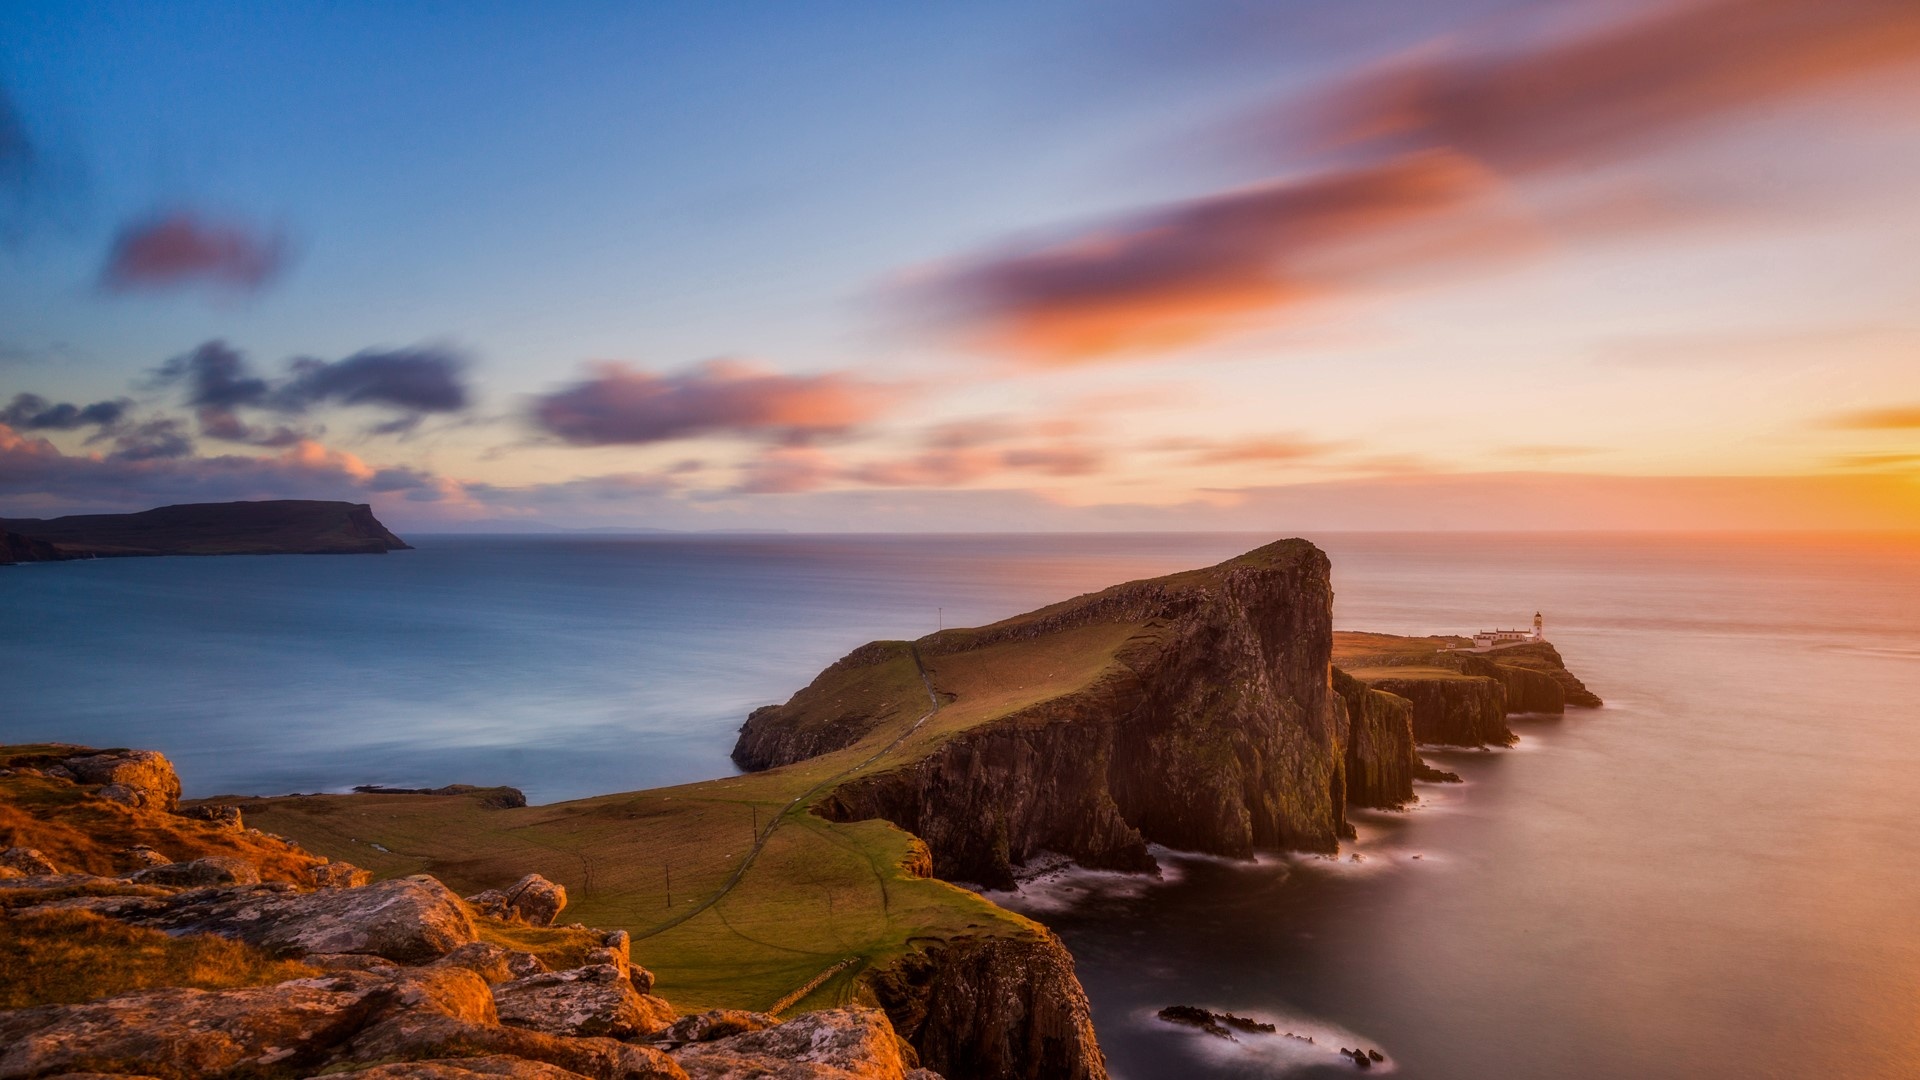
x,y
624,405
182,248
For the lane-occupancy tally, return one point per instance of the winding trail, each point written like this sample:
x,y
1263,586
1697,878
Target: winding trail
x,y
760,842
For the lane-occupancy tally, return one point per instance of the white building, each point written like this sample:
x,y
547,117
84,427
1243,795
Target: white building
x,y
1487,639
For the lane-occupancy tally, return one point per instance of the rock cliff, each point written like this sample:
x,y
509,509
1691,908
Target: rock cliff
x,y
1213,727
1381,763
277,527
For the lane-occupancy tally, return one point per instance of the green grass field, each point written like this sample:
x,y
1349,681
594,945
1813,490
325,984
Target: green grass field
x,y
818,894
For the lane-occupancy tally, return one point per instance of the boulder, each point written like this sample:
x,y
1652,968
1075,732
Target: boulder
x,y
416,1035
200,873
140,857
348,961
225,816
180,1034
494,963
147,773
532,900
714,1024
28,861
595,1000
853,1043
338,875
412,920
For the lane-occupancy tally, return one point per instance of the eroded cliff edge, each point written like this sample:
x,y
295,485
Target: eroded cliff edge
x,y
1210,722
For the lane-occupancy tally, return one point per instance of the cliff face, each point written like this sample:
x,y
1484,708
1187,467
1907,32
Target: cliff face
x,y
1002,1008
1458,710
1542,658
1525,690
15,548
1381,762
1215,729
279,527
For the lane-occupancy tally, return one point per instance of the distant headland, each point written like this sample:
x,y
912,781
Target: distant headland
x,y
276,527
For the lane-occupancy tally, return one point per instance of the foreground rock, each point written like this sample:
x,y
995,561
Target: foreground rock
x,y
533,900
408,920
834,1044
596,1000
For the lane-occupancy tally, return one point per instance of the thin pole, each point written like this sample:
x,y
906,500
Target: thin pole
x,y
940,619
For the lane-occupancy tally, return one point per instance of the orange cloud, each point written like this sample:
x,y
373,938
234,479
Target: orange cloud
x,y
1183,272
1897,418
1615,91
624,405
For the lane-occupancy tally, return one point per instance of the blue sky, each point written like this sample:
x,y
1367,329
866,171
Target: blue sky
x,y
533,190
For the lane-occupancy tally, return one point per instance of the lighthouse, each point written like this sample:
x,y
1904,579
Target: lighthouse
x,y
1539,627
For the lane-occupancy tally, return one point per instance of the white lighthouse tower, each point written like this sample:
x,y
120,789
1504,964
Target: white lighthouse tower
x,y
1539,627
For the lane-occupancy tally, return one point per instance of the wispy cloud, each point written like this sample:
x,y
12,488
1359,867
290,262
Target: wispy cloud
x,y
1407,167
619,404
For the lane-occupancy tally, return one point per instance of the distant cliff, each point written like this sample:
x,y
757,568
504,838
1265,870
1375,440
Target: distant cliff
x,y
1210,723
279,527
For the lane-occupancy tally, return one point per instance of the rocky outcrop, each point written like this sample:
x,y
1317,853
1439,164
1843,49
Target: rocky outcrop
x,y
146,774
1001,1008
830,713
595,1000
1525,690
408,920
1215,729
1542,657
1456,710
834,1044
1381,761
531,901
15,548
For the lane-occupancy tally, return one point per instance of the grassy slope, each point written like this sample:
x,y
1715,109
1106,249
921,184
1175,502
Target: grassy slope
x,y
819,892
1387,656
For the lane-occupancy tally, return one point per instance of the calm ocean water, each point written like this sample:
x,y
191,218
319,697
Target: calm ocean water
x,y
1715,876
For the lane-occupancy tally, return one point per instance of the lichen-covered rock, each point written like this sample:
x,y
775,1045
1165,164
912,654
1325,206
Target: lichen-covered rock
x,y
714,1024
199,873
412,920
415,1035
595,1000
491,1065
533,900
28,861
494,963
148,773
338,875
833,1044
181,1034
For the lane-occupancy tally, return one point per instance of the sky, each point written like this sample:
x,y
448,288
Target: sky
x,y
1134,264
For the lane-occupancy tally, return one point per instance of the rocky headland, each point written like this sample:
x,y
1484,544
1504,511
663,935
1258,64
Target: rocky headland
x,y
276,527
1202,711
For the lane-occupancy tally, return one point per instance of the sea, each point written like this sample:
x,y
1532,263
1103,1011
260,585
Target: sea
x,y
1715,875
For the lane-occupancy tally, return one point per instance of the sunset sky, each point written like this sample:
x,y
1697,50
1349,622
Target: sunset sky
x,y
1452,264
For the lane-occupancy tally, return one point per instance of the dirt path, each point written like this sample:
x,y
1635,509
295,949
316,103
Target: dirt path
x,y
933,706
